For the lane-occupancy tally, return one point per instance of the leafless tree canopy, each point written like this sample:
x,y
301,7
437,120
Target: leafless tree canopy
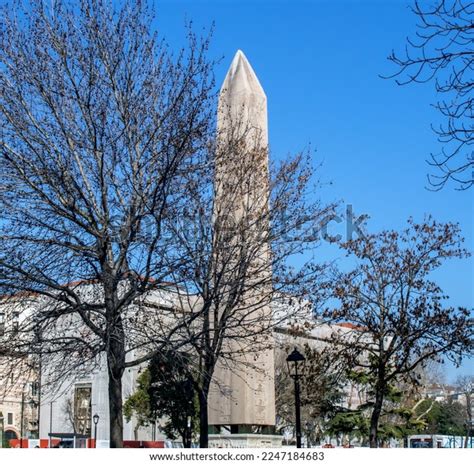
x,y
443,51
96,118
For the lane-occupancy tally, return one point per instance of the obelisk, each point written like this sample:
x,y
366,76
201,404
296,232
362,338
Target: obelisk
x,y
243,392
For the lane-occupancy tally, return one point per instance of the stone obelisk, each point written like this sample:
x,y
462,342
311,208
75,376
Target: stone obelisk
x,y
243,394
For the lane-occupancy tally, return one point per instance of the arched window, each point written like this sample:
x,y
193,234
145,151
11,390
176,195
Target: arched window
x,y
10,435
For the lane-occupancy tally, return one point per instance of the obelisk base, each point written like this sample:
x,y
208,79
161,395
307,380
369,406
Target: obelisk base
x,y
245,440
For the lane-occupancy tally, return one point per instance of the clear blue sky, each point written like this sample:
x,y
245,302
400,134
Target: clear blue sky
x,y
319,63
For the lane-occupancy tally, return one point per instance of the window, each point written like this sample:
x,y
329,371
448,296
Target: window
x,y
10,418
82,409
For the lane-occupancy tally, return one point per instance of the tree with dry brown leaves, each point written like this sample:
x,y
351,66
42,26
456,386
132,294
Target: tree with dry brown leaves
x,y
400,313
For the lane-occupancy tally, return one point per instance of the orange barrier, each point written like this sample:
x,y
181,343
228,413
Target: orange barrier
x,y
44,443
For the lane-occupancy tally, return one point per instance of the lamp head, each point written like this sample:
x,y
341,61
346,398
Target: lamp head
x,y
295,358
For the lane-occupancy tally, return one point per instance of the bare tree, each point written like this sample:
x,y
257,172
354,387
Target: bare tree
x,y
443,51
465,385
239,269
398,310
98,121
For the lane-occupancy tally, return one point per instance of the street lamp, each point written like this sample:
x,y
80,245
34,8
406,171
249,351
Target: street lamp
x,y
51,424
96,421
296,373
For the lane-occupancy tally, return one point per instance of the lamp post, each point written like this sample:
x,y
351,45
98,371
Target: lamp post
x,y
51,424
22,417
96,421
293,360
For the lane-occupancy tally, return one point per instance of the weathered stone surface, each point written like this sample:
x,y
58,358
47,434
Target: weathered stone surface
x,y
243,392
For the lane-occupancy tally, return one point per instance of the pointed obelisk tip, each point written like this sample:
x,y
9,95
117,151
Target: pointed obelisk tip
x,y
238,57
241,75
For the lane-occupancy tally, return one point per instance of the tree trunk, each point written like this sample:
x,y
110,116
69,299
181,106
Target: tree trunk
x,y
203,419
115,349
374,419
116,368
185,436
115,410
